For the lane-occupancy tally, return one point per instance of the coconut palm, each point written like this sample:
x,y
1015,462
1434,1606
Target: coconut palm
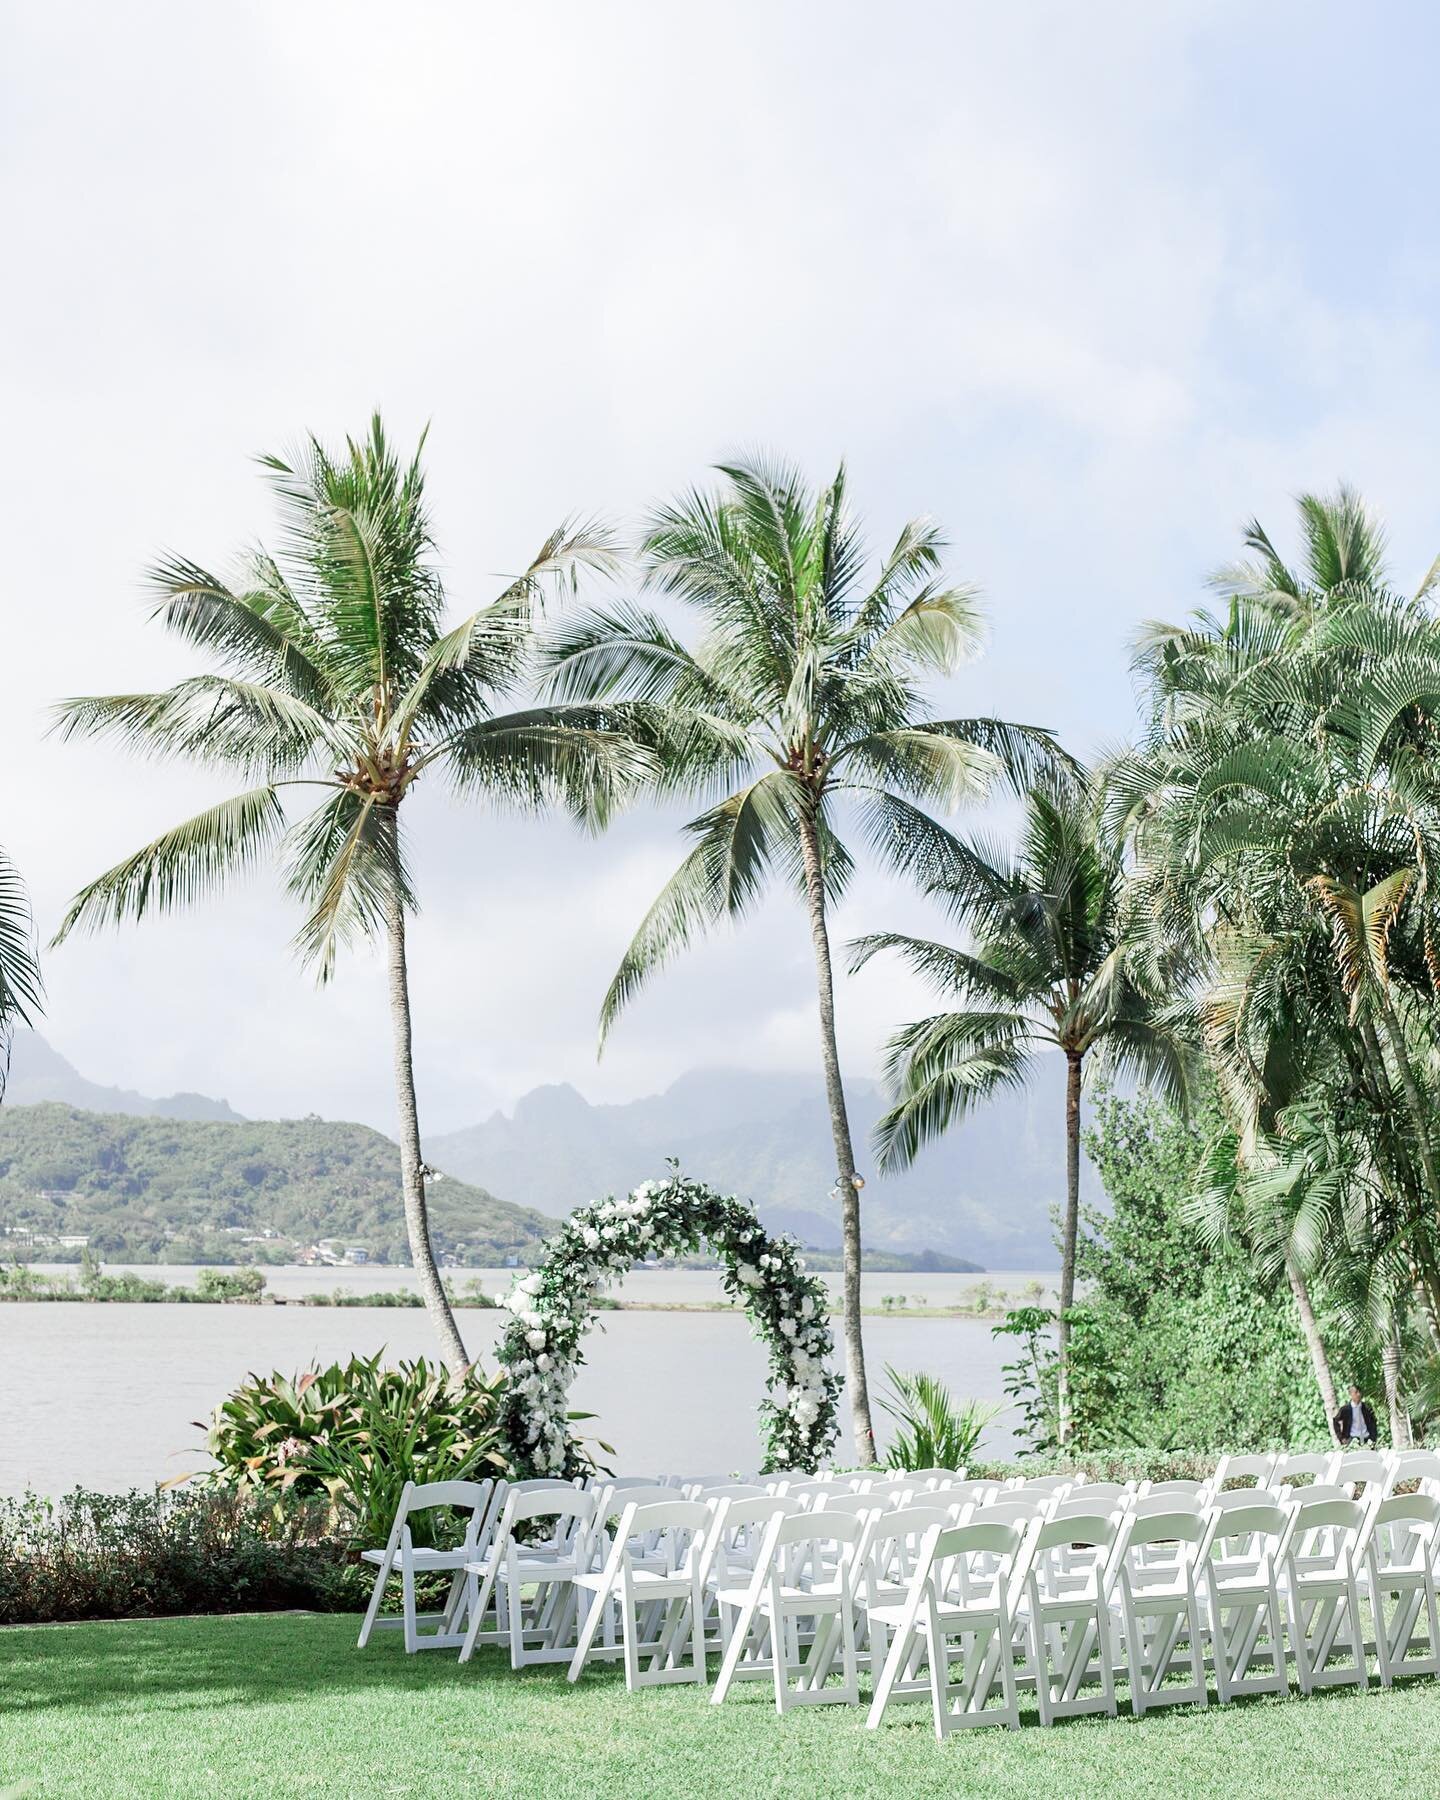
x,y
337,677
19,969
799,706
1286,823
1048,970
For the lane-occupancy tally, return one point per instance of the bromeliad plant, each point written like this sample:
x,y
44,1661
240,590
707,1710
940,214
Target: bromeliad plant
x,y
554,1304
355,1433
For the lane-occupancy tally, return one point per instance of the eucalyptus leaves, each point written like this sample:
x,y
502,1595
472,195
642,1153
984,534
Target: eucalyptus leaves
x,y
553,1305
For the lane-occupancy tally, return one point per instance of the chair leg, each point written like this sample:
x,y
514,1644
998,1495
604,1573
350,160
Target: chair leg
x,y
407,1585
377,1595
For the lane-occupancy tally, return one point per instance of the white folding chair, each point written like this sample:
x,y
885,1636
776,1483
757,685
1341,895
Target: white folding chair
x,y
1414,1465
728,1490
1322,1557
925,1479
532,1584
1051,1486
1293,1470
1159,1604
1400,1580
958,1609
1069,1612
1372,1467
774,1605
652,1575
955,1494
1245,1589
473,1497
1253,1470
1174,1490
888,1557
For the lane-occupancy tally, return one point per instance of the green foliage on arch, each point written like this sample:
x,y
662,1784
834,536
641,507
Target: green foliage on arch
x,y
553,1306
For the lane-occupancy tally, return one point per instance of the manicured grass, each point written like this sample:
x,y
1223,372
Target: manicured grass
x,y
285,1705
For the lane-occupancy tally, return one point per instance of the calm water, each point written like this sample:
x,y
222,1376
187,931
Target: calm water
x,y
107,1396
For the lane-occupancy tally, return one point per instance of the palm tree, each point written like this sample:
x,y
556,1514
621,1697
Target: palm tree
x,y
337,674
1048,971
801,698
1286,822
20,984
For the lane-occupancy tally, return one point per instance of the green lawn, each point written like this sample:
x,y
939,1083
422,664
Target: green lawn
x,y
285,1705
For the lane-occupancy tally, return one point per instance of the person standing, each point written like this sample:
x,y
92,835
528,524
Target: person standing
x,y
1355,1423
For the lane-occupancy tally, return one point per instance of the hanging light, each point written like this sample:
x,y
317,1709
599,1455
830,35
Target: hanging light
x,y
857,1182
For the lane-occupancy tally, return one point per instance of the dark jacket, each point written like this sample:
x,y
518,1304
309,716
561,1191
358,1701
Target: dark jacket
x,y
1342,1424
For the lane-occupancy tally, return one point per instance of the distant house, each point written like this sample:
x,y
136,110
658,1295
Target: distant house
x,y
357,1253
74,1241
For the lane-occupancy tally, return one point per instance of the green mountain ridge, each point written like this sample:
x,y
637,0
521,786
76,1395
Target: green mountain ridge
x,y
189,1190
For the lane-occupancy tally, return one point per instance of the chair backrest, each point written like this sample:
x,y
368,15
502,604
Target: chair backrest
x,y
1331,1530
1254,1469
975,1560
1236,1499
1316,1491
1174,1490
610,1502
780,1481
1095,1530
862,1506
1264,1518
1051,1484
960,1493
1402,1519
1291,1469
1328,1515
890,1487
735,1490
674,1529
1085,1506
1158,1520
1161,1506
1104,1495
906,1525
1373,1467
927,1478
557,1500
808,1492
1012,1509
815,1527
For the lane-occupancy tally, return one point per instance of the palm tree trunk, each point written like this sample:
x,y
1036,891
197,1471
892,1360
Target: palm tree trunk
x,y
1070,1232
412,1176
1394,1405
844,1152
1314,1343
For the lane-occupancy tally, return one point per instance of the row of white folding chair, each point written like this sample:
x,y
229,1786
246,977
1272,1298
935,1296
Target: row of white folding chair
x,y
484,1501
1032,1590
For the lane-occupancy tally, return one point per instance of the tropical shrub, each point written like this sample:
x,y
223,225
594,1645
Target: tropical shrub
x,y
1175,1344
230,1284
351,1435
185,1550
934,1433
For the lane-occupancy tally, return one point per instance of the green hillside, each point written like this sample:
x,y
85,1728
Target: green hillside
x,y
181,1190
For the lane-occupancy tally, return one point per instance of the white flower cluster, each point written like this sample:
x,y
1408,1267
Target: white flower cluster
x,y
551,1308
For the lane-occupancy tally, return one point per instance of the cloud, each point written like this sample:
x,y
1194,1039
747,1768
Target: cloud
x,y
1074,280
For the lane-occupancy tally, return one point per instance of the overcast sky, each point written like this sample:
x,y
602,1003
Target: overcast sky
x,y
1089,284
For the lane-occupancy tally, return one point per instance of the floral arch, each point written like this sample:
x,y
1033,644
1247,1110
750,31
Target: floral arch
x,y
554,1305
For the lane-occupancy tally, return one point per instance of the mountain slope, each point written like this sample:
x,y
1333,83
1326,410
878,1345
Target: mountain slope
x,y
38,1073
984,1192
180,1190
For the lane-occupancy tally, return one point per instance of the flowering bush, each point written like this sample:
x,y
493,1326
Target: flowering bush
x,y
553,1305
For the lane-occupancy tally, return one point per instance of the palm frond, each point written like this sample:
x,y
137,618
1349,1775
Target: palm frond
x,y
182,865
